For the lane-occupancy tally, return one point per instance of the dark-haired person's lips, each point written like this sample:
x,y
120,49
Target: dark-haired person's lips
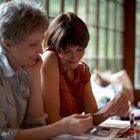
x,y
73,62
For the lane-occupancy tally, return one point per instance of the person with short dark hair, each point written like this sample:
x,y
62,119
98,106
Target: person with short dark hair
x,y
66,86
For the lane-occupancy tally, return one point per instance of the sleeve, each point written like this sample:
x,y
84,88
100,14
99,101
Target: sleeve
x,y
86,73
31,122
5,132
8,134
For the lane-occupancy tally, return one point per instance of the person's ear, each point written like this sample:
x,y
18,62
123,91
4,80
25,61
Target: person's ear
x,y
7,43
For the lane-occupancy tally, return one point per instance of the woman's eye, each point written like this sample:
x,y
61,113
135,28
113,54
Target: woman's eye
x,y
65,51
81,49
33,45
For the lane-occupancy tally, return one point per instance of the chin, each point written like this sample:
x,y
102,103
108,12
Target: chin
x,y
31,63
73,67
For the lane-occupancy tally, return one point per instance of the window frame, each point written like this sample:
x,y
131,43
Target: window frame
x,y
128,40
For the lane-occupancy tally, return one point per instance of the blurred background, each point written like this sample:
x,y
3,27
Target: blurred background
x,y
114,27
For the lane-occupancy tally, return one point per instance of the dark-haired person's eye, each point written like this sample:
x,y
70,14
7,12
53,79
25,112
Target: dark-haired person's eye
x,y
81,49
65,51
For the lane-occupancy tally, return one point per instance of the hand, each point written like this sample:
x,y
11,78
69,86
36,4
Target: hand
x,y
33,70
119,106
77,124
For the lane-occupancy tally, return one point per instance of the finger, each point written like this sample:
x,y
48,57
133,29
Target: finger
x,y
82,115
120,112
117,105
39,57
115,112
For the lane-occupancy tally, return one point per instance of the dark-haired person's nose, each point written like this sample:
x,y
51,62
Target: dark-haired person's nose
x,y
74,56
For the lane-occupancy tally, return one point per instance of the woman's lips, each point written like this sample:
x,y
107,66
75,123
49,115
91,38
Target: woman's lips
x,y
73,62
35,58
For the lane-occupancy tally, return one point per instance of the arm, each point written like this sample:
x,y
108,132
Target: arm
x,y
119,106
50,86
91,105
35,107
116,107
112,108
75,125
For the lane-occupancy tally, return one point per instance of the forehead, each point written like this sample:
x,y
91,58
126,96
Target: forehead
x,y
36,36
73,47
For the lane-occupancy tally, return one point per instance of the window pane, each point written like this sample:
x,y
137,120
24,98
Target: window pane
x,y
111,44
1,1
54,7
102,16
41,1
102,43
101,64
91,49
92,12
111,14
69,6
119,17
81,9
137,49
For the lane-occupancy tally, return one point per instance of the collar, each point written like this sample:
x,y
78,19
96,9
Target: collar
x,y
4,63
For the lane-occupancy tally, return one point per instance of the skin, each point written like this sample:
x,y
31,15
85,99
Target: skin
x,y
75,125
50,87
26,54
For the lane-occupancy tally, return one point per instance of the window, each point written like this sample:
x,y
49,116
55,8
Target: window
x,y
42,2
104,19
1,1
114,32
137,48
111,24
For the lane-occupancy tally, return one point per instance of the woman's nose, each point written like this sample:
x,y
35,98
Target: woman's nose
x,y
40,50
74,56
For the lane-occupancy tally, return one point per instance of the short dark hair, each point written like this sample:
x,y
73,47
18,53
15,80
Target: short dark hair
x,y
67,30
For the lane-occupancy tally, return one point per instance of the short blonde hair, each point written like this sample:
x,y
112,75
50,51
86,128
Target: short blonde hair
x,y
19,18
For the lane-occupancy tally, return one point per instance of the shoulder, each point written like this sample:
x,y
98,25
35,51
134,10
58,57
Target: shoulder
x,y
50,61
83,67
84,72
49,57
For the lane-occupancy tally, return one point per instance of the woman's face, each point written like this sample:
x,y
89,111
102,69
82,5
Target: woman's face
x,y
70,58
26,52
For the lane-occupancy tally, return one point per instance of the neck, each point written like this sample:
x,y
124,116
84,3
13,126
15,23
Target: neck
x,y
13,63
